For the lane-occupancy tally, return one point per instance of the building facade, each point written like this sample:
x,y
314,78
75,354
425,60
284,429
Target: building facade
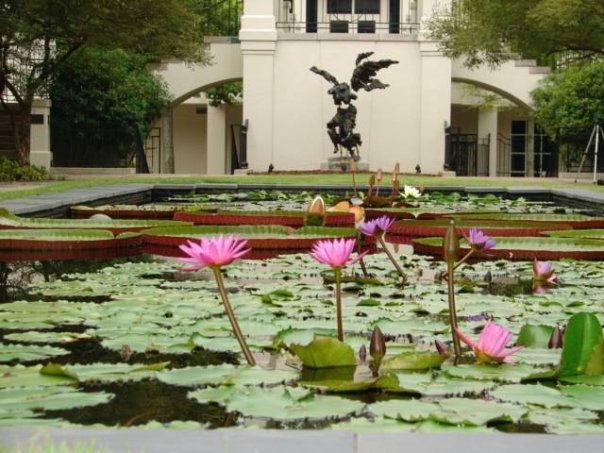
x,y
436,115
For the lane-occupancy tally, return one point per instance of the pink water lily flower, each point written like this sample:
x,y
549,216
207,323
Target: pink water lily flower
x,y
491,343
335,253
543,272
479,241
376,226
213,252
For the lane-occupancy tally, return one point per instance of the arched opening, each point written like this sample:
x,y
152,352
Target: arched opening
x,y
195,135
493,133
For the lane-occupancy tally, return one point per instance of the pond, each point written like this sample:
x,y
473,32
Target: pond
x,y
138,341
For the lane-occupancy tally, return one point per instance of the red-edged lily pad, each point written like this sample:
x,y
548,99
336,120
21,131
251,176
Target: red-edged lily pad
x,y
438,227
10,221
286,218
575,221
524,248
20,245
261,237
150,211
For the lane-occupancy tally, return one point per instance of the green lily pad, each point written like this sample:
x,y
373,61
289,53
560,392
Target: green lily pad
x,y
278,403
324,352
225,374
49,398
583,349
534,336
388,381
498,373
587,396
535,394
413,361
28,353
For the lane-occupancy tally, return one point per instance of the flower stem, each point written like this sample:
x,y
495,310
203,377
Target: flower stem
x,y
338,272
231,315
397,266
464,259
452,309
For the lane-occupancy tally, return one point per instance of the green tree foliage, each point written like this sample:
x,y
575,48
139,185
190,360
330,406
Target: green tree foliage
x,y
226,94
569,102
38,37
103,98
492,31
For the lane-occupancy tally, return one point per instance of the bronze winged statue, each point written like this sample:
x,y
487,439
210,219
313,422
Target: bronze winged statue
x,y
341,127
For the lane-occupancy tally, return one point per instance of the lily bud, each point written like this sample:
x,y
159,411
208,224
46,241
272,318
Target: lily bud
x,y
362,353
377,345
441,348
395,172
556,340
315,214
450,244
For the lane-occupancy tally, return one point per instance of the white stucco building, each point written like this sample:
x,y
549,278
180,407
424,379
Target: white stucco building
x,y
436,114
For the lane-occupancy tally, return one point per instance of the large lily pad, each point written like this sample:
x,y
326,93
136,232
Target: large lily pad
x,y
324,352
226,375
278,403
527,248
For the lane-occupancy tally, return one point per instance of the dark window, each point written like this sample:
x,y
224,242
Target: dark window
x,y
367,6
366,26
338,26
339,6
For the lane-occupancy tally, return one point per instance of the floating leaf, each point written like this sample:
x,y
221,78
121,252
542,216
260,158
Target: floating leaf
x,y
388,381
476,412
407,410
535,394
278,403
532,336
583,347
413,361
324,352
498,373
585,395
28,353
225,374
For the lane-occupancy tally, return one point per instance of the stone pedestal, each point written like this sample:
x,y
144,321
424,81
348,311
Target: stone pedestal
x,y
342,164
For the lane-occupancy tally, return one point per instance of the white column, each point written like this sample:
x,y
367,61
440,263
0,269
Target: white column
x,y
39,134
258,36
435,107
487,126
216,140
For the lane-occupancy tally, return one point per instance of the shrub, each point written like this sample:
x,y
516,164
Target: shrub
x,y
10,170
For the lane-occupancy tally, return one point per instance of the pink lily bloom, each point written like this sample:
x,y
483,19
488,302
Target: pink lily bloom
x,y
213,252
479,241
335,253
543,272
376,226
491,343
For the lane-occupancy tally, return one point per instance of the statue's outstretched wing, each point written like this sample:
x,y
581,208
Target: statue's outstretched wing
x,y
362,56
363,75
326,75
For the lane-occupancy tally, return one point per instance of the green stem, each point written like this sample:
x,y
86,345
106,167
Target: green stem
x,y
397,266
464,259
338,272
452,309
231,315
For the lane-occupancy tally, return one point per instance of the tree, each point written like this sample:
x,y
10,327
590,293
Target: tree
x,y
103,101
569,102
493,31
38,37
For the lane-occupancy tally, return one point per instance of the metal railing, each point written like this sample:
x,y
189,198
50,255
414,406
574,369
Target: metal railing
x,y
394,17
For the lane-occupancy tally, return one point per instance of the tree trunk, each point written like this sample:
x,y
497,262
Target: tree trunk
x,y
23,135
